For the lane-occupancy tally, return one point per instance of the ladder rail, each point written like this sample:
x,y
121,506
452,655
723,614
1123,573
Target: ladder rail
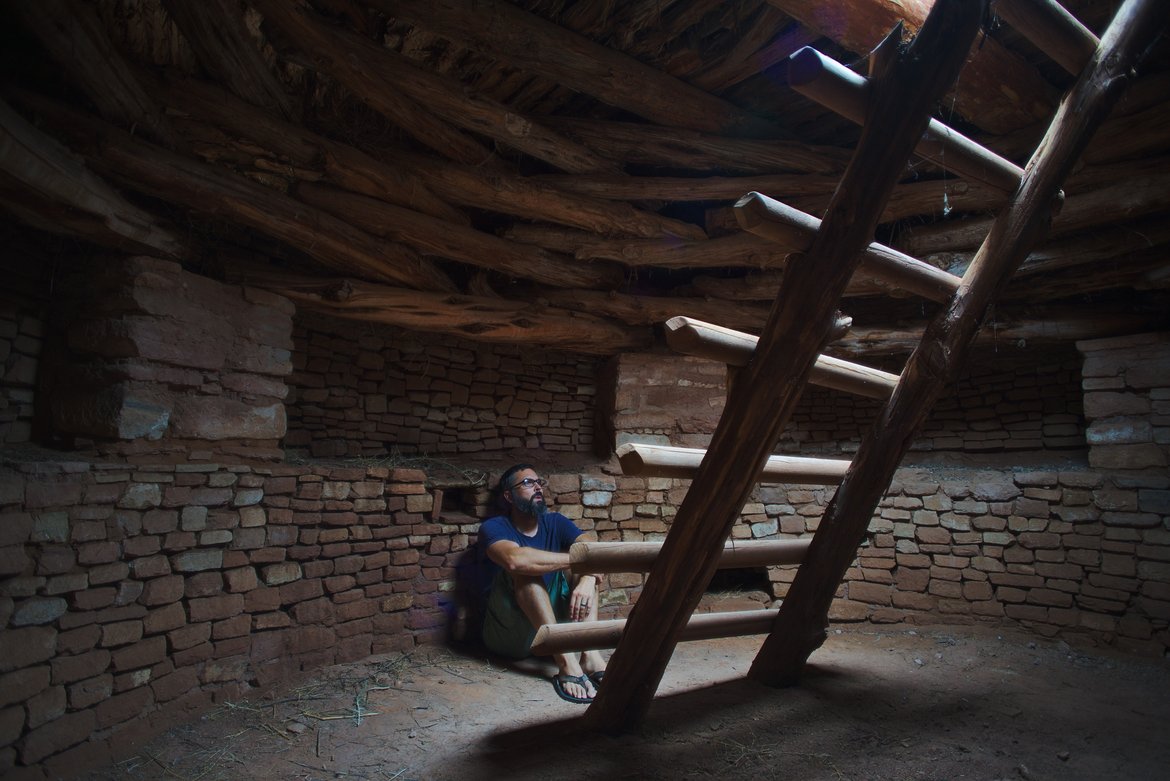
x,y
767,389
800,625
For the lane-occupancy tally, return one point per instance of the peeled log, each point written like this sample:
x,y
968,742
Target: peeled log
x,y
693,337
641,460
599,558
859,25
778,222
590,635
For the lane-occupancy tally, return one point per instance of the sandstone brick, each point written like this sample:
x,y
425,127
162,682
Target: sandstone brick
x,y
121,633
90,691
313,611
197,560
300,590
216,607
241,579
56,736
239,626
79,640
202,584
176,684
163,591
69,669
164,619
124,707
280,573
16,687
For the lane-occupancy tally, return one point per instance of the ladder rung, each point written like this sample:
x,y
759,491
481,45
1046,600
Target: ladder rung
x,y
599,558
642,460
770,219
714,342
842,91
1053,30
595,635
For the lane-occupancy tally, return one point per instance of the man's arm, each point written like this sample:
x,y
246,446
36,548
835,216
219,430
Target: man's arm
x,y
526,561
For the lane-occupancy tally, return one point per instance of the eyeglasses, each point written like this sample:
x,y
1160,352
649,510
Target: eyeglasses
x,y
530,482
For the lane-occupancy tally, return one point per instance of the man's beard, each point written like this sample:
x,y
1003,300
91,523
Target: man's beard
x,y
534,506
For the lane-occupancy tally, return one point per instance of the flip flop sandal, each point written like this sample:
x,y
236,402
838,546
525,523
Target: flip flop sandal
x,y
597,678
559,681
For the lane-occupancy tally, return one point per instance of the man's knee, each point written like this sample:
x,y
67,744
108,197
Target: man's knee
x,y
526,587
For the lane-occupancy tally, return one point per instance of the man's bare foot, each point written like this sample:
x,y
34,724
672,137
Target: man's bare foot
x,y
574,688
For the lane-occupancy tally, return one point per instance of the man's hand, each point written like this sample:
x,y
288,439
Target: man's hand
x,y
581,600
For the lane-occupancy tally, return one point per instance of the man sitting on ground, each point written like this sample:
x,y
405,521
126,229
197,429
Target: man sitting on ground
x,y
527,584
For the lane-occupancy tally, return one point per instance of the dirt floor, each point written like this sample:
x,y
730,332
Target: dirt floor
x,y
901,703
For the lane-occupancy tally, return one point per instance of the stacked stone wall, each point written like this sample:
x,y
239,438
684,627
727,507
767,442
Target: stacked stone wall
x,y
132,597
1049,550
147,361
1000,404
383,390
21,337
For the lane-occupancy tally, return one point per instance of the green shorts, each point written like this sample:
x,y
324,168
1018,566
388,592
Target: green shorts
x,y
506,630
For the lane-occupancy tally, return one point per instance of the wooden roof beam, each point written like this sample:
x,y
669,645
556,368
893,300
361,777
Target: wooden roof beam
x,y
54,191
345,166
508,33
78,41
219,37
382,77
476,318
432,236
1136,195
214,191
677,148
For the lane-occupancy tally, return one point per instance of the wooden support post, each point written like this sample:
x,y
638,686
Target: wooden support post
x,y
683,462
800,627
694,337
771,219
763,398
839,89
592,635
436,504
600,558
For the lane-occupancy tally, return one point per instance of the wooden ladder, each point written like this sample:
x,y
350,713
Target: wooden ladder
x,y
893,106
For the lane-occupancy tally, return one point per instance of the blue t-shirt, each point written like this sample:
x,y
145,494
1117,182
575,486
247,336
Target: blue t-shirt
x,y
554,532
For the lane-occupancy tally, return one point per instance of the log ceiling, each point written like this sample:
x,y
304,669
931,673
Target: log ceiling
x,y
551,172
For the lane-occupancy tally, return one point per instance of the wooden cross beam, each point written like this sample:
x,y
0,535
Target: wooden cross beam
x,y
769,386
